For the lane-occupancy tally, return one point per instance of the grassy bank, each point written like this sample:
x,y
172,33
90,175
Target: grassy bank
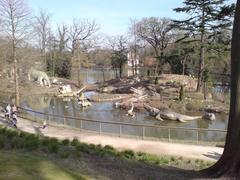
x,y
16,165
75,160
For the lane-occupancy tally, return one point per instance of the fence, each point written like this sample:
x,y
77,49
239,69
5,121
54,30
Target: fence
x,y
131,130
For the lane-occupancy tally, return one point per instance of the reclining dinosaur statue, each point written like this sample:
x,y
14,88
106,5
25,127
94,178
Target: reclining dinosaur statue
x,y
168,114
39,76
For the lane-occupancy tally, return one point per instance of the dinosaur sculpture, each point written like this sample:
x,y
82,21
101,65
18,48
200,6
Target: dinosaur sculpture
x,y
169,115
39,76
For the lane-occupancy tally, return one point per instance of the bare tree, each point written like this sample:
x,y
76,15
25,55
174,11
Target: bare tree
x,y
63,37
42,28
14,15
135,45
157,32
79,32
119,46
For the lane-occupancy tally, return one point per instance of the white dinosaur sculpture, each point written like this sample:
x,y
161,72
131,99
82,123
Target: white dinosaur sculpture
x,y
39,76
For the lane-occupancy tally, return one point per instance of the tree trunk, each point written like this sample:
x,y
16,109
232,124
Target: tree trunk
x,y
157,56
229,163
202,53
78,74
183,64
120,70
17,100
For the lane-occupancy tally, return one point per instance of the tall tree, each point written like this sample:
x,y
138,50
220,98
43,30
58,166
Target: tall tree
x,y
206,18
135,45
42,28
157,32
228,164
119,53
62,37
79,32
15,21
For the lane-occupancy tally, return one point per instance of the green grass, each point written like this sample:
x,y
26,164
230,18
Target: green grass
x,y
21,166
26,166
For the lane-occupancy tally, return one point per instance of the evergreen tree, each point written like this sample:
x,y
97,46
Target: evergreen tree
x,y
228,165
206,19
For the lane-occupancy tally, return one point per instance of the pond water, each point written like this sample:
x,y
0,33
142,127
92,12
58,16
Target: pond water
x,y
105,111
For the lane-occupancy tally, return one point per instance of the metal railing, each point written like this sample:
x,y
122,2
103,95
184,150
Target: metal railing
x,y
124,129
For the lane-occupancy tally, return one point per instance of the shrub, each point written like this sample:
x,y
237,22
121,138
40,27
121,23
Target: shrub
x,y
3,130
17,143
23,134
82,147
45,141
110,150
75,142
2,144
129,154
31,142
53,145
11,133
65,142
64,155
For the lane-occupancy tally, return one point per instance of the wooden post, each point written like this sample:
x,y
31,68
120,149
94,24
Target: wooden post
x,y
169,134
197,137
143,132
100,128
120,130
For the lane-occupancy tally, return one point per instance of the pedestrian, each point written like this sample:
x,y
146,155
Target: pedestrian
x,y
14,109
14,120
44,124
8,111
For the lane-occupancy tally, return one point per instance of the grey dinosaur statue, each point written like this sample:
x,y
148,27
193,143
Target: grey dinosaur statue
x,y
39,76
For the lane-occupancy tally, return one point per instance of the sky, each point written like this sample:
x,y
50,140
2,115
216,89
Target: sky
x,y
113,16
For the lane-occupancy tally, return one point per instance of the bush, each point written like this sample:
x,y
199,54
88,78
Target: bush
x,y
82,147
75,142
3,130
23,134
32,142
129,154
2,144
11,133
65,142
64,155
110,150
53,145
17,143
45,141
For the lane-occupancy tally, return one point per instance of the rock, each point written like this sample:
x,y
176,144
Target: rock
x,y
209,116
209,96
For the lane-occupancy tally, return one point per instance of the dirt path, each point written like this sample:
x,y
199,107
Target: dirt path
x,y
152,147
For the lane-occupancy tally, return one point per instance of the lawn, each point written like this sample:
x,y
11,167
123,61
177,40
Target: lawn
x,y
22,166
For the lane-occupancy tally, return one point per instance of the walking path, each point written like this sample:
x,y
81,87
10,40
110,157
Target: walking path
x,y
153,147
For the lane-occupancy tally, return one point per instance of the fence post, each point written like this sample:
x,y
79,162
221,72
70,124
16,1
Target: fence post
x,y
120,130
169,134
143,132
64,120
197,136
81,125
100,128
35,117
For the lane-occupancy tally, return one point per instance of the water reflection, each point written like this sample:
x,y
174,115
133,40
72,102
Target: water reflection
x,y
106,112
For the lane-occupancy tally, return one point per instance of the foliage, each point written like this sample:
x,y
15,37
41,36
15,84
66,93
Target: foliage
x,y
181,93
205,20
59,64
31,142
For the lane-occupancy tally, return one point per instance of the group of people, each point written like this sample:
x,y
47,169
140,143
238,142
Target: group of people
x,y
11,114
